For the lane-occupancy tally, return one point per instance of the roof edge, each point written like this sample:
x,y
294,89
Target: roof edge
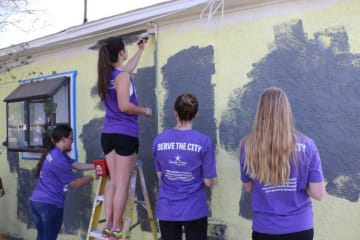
x,y
108,24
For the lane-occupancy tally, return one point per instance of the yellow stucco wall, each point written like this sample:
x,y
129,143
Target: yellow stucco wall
x,y
240,41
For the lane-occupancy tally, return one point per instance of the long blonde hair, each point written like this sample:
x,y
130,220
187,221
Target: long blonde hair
x,y
271,143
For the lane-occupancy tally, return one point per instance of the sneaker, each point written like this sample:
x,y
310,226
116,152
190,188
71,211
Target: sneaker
x,y
106,232
116,234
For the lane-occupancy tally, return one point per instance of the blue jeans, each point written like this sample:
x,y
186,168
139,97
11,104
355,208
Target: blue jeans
x,y
48,219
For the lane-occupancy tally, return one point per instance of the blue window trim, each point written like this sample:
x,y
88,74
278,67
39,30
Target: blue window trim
x,y
73,75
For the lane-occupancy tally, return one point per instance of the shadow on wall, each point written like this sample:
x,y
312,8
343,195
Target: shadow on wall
x,y
321,78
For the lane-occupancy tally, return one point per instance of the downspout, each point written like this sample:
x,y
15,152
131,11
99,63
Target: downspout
x,y
85,11
155,28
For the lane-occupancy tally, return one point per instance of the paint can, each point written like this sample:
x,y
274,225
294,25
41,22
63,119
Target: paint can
x,y
101,168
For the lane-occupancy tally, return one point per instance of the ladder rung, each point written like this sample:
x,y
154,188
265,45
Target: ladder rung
x,y
99,199
96,234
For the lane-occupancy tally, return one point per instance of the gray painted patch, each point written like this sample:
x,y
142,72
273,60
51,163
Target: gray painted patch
x,y
25,186
91,135
13,160
322,80
145,88
190,71
26,182
77,209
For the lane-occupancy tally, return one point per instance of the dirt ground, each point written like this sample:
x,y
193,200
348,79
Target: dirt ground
x,y
4,237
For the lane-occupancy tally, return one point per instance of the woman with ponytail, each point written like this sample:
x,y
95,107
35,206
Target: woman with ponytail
x,y
55,174
119,138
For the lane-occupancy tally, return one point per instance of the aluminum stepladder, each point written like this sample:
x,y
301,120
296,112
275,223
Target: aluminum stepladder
x,y
94,232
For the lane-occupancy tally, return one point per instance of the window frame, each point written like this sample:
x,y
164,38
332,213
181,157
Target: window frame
x,y
31,153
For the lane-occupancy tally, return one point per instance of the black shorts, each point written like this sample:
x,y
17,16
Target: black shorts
x,y
123,145
303,235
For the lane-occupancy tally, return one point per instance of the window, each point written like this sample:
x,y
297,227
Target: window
x,y
34,109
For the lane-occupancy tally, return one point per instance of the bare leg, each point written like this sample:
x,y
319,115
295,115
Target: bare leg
x,y
124,167
110,189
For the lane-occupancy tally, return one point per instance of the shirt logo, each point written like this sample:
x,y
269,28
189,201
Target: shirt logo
x,y
49,158
177,161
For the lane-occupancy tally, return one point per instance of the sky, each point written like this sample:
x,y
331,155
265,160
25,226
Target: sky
x,y
54,16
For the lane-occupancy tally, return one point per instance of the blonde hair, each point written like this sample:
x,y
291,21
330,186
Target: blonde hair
x,y
271,143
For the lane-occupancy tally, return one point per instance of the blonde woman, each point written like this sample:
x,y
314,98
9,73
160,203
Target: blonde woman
x,y
282,169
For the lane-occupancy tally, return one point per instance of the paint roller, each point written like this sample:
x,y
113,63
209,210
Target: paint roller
x,y
145,36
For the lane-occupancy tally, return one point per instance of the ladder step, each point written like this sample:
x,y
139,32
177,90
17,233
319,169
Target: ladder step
x,y
96,234
99,200
141,203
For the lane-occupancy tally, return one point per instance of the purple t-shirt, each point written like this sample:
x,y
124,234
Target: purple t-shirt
x,y
116,121
286,208
184,159
55,175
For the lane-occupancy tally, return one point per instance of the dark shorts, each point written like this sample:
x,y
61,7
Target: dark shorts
x,y
123,145
303,235
194,229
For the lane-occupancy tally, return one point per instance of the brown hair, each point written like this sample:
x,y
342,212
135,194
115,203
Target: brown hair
x,y
186,106
108,55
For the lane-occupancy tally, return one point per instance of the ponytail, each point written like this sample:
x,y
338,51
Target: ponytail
x,y
104,68
108,55
39,165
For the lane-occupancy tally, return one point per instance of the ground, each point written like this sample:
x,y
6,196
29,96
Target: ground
x,y
4,237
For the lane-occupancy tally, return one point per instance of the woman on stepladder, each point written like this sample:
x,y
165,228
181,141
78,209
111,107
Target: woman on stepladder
x,y
281,167
119,138
185,164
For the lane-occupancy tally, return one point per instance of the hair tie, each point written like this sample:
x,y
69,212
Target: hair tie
x,y
103,44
